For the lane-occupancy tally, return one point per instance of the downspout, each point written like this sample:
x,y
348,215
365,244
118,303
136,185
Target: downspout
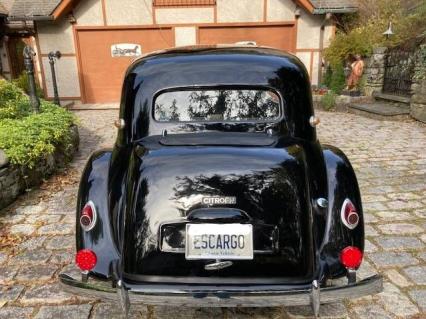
x,y
327,17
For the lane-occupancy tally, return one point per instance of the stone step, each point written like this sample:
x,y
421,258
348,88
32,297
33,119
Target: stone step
x,y
391,98
381,110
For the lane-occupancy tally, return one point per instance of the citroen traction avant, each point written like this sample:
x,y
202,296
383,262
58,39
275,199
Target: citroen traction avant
x,y
217,192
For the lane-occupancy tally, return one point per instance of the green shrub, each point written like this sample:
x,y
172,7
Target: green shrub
x,y
13,101
328,101
22,83
28,137
327,76
338,79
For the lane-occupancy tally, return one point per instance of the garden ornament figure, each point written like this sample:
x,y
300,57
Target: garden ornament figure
x,y
357,69
29,66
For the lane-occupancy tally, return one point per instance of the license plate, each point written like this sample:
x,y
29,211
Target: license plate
x,y
219,241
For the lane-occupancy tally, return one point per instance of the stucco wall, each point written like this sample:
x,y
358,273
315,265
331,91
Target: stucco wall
x,y
280,10
55,36
89,12
128,12
239,10
308,31
66,75
184,15
185,36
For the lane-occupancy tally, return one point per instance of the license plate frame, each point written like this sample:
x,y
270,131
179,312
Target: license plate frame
x,y
238,248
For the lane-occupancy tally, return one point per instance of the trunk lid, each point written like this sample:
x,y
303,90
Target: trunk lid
x,y
169,183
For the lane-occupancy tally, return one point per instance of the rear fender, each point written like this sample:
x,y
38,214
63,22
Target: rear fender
x,y
342,184
94,187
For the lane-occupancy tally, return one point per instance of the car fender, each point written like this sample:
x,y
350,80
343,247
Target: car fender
x,y
342,184
94,187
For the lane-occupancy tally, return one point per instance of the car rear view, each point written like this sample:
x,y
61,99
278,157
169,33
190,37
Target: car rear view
x,y
217,192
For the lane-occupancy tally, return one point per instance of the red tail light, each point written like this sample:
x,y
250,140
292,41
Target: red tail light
x,y
351,257
88,216
86,259
349,215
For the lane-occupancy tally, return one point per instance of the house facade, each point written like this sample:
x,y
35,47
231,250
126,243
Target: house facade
x,y
98,39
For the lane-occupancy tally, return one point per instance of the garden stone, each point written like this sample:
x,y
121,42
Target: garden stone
x,y
419,296
4,160
393,243
71,311
371,312
49,294
396,303
36,273
112,311
15,312
8,294
392,259
417,274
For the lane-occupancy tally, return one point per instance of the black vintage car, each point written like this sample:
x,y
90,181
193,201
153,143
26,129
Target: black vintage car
x,y
217,191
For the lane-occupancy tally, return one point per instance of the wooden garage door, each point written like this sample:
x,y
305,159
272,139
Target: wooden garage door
x,y
100,73
277,36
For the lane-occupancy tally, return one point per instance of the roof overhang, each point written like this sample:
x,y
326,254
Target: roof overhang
x,y
63,7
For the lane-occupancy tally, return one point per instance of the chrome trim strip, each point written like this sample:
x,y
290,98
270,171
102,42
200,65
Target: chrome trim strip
x,y
226,296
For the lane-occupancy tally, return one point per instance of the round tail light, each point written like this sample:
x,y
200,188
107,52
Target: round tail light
x,y
88,216
86,259
349,215
351,257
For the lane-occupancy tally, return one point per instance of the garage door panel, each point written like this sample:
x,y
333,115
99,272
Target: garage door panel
x,y
279,36
101,74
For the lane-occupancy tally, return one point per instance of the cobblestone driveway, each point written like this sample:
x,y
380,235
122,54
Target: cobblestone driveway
x,y
390,160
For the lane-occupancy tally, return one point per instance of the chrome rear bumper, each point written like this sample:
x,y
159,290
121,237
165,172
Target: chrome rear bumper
x,y
220,296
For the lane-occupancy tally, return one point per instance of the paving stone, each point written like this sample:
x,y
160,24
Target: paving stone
x,y
404,205
69,311
417,274
394,215
399,243
420,213
398,279
113,311
370,218
392,259
32,243
371,311
365,270
395,302
61,242
400,229
14,218
36,272
46,219
419,296
10,293
22,229
333,310
423,237
3,257
369,247
32,257
370,231
62,257
369,207
16,312
7,273
55,229
49,294
31,209
422,255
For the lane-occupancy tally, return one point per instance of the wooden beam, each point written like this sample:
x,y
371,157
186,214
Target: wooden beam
x,y
62,8
306,4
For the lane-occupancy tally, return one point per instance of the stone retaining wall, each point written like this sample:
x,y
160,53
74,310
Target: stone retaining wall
x,y
14,180
374,71
418,99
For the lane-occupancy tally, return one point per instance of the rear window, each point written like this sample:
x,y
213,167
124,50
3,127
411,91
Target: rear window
x,y
217,105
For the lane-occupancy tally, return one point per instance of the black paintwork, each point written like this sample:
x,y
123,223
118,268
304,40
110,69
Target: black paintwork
x,y
148,186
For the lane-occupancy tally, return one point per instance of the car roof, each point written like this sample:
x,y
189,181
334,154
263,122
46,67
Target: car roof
x,y
228,48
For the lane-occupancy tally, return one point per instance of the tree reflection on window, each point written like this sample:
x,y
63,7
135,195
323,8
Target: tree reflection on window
x,y
217,105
